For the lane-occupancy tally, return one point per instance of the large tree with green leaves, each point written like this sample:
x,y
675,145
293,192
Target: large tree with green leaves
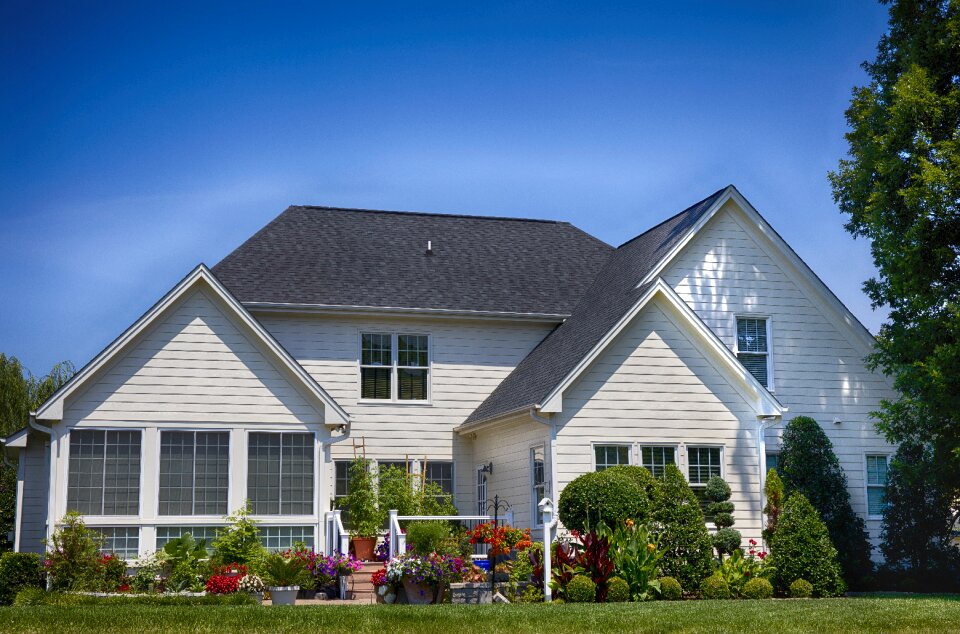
x,y
900,187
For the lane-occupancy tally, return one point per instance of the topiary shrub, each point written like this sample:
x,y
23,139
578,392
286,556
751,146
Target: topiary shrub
x,y
19,571
801,589
612,495
758,589
581,589
715,587
801,549
726,539
670,589
684,539
618,590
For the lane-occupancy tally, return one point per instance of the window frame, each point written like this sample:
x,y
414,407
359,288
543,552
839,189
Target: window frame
x,y
536,517
645,445
317,461
230,469
142,480
395,367
771,383
867,486
631,460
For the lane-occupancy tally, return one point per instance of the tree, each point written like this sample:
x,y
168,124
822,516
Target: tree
x,y
809,466
900,187
801,549
917,521
684,539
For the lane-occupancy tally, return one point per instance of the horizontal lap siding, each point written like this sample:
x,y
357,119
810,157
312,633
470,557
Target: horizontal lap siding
x,y
653,386
729,270
469,359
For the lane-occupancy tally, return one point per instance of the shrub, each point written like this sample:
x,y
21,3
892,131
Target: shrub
x,y
714,587
18,571
670,589
801,549
809,466
428,536
758,589
240,541
684,539
801,589
73,554
726,539
618,590
581,589
610,496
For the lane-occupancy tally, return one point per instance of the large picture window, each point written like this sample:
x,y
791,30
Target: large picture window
x,y
104,472
394,367
753,348
194,472
280,473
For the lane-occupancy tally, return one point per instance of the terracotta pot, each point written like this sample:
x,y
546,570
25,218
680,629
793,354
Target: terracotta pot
x,y
418,593
363,547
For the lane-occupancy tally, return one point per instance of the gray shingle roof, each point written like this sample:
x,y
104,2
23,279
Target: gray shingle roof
x,y
612,294
349,257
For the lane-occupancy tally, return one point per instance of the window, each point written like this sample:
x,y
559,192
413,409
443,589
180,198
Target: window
x,y
876,485
538,483
656,459
104,472
280,473
280,538
121,541
440,473
611,456
753,348
168,533
194,472
773,461
383,374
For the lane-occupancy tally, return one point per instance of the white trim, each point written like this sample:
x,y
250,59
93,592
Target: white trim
x,y
867,486
52,409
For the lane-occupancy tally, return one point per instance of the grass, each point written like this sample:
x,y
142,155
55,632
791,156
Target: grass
x,y
861,614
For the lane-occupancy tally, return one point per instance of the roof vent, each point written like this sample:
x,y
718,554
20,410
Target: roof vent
x,y
429,247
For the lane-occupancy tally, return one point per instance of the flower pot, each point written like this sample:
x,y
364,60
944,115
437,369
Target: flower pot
x,y
284,595
418,593
363,547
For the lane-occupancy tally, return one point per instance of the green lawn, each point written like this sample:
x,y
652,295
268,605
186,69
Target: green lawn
x,y
867,614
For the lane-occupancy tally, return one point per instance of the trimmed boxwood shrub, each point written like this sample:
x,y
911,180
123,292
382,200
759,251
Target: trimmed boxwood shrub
x,y
801,589
801,549
612,495
18,571
684,539
758,589
581,589
715,587
618,590
670,589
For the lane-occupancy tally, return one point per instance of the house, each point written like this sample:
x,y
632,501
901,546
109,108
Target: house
x,y
491,355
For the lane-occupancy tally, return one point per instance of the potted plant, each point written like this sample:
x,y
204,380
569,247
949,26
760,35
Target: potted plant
x,y
365,516
284,576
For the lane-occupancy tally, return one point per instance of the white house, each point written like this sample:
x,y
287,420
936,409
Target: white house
x,y
494,355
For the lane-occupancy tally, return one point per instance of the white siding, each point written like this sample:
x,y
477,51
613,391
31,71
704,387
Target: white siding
x,y
35,477
729,269
468,360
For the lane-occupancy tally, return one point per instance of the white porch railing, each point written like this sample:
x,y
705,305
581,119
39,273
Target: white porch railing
x,y
338,540
398,539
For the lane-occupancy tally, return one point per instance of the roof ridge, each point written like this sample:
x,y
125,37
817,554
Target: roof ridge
x,y
676,215
429,214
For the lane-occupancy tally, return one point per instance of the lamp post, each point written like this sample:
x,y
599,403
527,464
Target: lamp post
x,y
495,505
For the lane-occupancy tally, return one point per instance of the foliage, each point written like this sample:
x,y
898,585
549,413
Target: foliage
x,y
738,569
670,589
900,187
683,536
809,466
365,515
801,549
636,558
618,590
715,587
774,492
726,539
801,589
611,496
18,571
581,589
427,537
758,588
917,521
73,554
239,542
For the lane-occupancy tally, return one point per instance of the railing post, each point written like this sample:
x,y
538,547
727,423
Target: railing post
x,y
546,510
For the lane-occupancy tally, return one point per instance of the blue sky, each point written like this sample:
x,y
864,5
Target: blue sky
x,y
138,139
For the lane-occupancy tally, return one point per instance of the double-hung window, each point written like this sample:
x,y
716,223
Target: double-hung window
x,y
702,464
394,367
876,485
104,472
607,456
280,473
656,459
753,348
538,484
194,472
